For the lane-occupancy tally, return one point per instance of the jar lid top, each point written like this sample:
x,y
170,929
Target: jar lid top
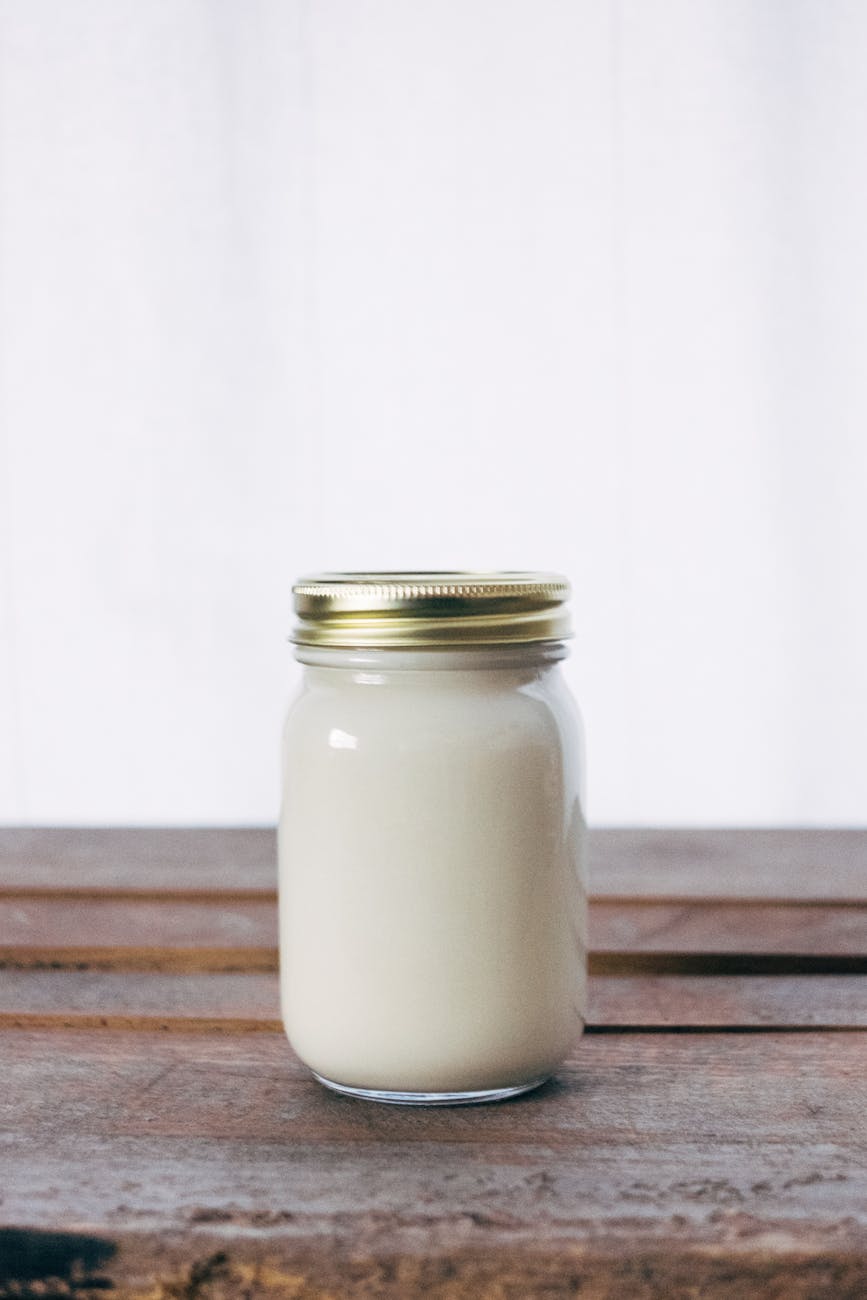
x,y
430,609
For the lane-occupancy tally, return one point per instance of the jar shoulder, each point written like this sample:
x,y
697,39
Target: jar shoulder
x,y
539,710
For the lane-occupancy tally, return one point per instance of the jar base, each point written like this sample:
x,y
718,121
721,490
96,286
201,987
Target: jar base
x,y
431,1098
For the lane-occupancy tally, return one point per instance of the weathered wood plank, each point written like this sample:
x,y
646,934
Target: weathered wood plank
x,y
148,1266
656,1163
738,1089
744,1155
139,934
810,864
728,1002
142,1000
731,1088
185,934
801,1265
716,927
250,1002
143,860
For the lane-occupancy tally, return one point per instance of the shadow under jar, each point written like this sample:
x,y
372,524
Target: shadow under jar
x,y
432,900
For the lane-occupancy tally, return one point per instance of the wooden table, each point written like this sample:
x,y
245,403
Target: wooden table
x,y
707,1138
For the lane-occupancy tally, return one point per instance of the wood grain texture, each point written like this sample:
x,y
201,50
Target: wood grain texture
x,y
184,934
822,865
743,1156
668,1158
728,1002
200,861
153,1267
812,864
715,927
240,1003
139,934
143,1000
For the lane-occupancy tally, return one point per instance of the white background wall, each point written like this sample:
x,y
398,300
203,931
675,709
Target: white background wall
x,y
298,284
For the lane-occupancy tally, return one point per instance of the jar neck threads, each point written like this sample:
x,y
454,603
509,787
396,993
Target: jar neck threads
x,y
465,659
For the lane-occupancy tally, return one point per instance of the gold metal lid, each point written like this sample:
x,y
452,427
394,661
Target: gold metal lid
x,y
430,609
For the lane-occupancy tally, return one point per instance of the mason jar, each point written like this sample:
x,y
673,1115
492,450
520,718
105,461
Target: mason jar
x,y
432,899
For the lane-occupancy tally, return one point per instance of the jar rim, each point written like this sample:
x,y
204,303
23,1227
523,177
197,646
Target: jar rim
x,y
429,609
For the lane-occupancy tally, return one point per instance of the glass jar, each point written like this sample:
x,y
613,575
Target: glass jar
x,y
432,904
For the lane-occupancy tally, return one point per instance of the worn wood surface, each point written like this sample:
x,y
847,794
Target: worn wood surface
x,y
707,1138
784,865
823,865
750,1148
152,860
222,935
237,1003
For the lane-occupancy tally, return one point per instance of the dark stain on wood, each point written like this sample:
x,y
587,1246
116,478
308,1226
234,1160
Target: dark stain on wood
x,y
42,1263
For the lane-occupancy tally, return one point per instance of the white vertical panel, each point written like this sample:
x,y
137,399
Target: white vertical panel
x,y
740,213
707,580
821,372
12,792
460,397
145,396
362,283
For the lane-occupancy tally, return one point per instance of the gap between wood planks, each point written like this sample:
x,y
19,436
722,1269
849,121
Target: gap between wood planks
x,y
231,1028
223,961
254,961
230,895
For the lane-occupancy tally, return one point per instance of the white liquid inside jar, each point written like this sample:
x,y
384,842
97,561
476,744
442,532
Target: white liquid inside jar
x,y
432,906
